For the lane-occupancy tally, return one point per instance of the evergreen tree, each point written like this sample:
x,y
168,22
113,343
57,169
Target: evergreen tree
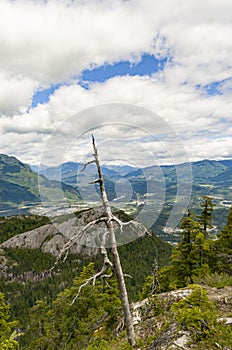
x,y
224,247
197,315
7,335
189,258
181,259
205,221
206,216
74,326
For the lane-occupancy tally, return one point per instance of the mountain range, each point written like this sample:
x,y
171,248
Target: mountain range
x,y
216,173
157,185
127,187
19,187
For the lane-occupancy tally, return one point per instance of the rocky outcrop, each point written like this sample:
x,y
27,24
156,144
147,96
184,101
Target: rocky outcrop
x,y
170,339
32,239
51,238
47,238
169,335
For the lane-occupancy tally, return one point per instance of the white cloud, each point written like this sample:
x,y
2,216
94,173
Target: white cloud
x,y
189,114
52,41
15,93
212,148
49,42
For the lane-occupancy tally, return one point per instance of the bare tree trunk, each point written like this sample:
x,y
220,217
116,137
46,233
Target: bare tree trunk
x,y
116,259
155,284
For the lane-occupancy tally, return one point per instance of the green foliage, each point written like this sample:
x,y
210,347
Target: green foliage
x,y
217,280
167,279
24,269
147,288
102,345
71,323
22,260
142,252
195,312
7,335
90,322
197,256
115,344
223,247
12,225
197,315
28,280
190,257
206,217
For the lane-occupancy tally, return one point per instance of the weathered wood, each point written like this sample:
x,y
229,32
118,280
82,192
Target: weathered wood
x,y
116,259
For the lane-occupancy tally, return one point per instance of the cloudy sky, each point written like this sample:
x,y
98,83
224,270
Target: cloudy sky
x,y
160,68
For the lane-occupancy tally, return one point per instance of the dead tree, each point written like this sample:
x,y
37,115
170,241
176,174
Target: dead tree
x,y
155,283
108,239
116,260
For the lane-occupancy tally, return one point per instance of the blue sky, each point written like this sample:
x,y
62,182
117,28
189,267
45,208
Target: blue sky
x,y
84,54
214,88
147,65
42,96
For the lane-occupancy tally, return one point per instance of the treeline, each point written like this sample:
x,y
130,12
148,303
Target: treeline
x,y
199,257
13,225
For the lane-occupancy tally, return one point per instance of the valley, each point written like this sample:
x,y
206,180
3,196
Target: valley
x,y
149,194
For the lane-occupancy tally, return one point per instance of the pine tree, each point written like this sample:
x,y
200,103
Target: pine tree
x,y
7,335
205,221
189,258
206,216
197,315
224,247
74,326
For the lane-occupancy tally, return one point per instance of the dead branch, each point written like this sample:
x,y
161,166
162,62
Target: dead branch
x,y
88,281
86,164
94,182
131,222
91,279
76,237
179,346
106,282
107,276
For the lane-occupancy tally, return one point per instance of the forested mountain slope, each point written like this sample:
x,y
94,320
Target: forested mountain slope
x,y
19,185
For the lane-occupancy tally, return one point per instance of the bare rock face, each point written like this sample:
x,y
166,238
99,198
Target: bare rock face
x,y
32,239
51,238
46,238
54,245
